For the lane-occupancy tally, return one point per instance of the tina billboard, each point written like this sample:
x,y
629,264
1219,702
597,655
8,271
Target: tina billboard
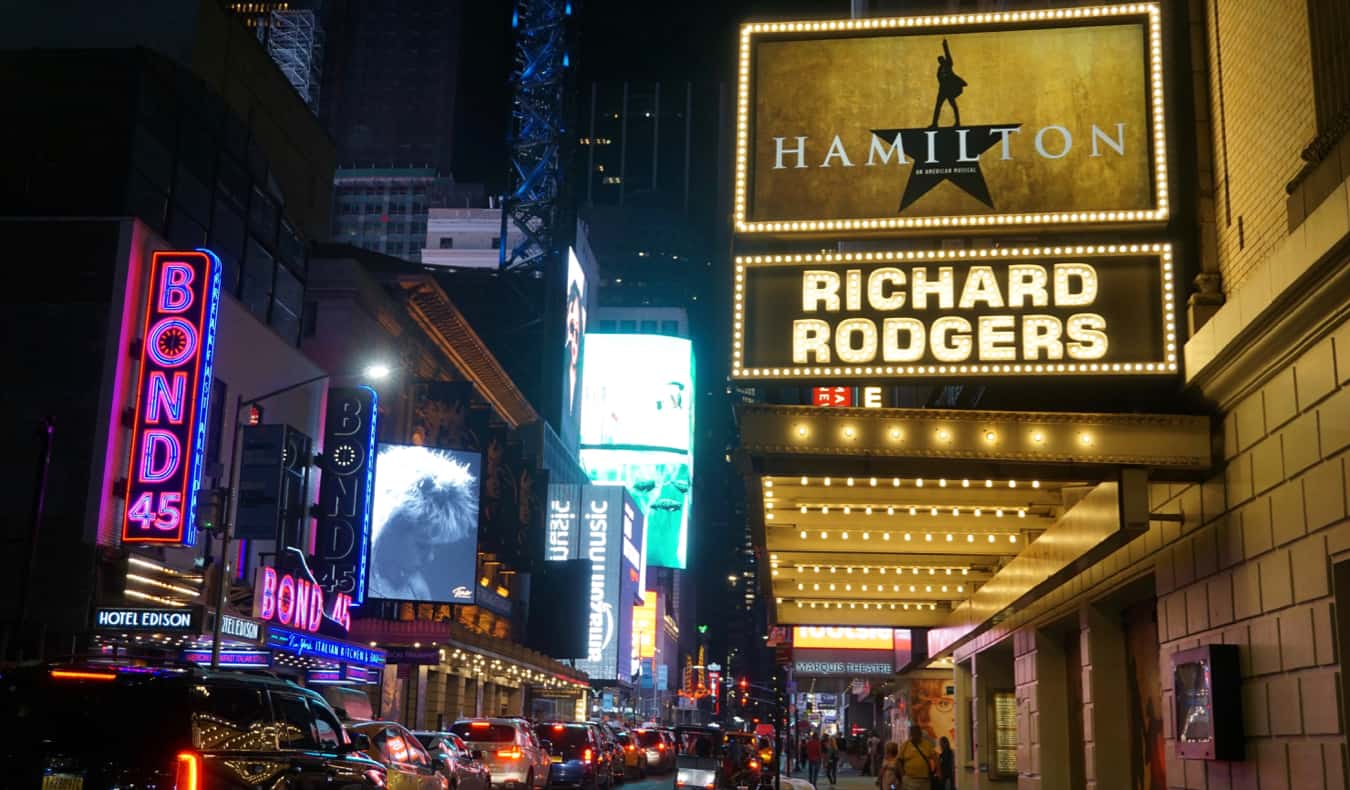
x,y
992,120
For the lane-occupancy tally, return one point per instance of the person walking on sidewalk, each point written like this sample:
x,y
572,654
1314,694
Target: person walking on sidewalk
x,y
888,774
813,758
872,766
832,759
916,761
946,761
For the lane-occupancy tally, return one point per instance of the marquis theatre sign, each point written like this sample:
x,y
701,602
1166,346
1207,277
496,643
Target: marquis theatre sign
x,y
1015,118
1094,310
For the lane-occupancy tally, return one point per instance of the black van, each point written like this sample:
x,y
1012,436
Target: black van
x,y
89,727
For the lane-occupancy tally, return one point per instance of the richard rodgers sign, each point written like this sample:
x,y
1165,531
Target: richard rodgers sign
x,y
1006,311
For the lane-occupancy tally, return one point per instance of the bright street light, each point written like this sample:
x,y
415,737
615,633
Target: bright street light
x,y
377,371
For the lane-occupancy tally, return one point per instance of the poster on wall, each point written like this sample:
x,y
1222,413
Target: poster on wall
x,y
932,706
425,524
951,122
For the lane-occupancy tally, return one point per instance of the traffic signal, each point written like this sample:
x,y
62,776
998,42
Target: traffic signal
x,y
210,508
744,684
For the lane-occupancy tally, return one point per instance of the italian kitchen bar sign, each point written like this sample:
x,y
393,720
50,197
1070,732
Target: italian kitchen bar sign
x,y
1027,311
172,393
1051,117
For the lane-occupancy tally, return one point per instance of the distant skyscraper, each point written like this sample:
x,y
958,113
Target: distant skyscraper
x,y
294,38
389,94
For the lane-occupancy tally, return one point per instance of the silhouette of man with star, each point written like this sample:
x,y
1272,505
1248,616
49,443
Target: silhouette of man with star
x,y
949,87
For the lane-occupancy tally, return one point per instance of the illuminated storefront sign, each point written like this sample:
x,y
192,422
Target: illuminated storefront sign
x,y
299,643
845,638
241,628
117,618
342,544
848,126
173,389
297,602
232,659
1095,310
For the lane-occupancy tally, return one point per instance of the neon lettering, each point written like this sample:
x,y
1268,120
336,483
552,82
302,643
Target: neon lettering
x,y
166,397
159,459
175,295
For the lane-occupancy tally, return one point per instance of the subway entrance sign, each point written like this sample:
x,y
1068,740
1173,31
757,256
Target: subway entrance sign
x,y
1032,311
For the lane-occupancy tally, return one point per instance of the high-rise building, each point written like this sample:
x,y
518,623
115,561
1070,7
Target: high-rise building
x,y
294,38
389,95
386,209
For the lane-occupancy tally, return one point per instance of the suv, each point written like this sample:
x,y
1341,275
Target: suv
x,y
511,753
576,757
72,727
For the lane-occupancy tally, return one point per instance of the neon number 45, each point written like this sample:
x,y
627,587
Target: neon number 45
x,y
165,518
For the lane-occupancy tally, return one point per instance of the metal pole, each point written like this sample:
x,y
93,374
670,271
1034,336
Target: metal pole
x,y
45,430
226,528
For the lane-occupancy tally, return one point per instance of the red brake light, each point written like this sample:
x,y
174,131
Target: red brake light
x,y
754,763
588,755
188,771
478,725
509,754
72,674
557,728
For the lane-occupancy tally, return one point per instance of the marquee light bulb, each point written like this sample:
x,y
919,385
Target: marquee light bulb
x,y
801,431
970,538
907,537
949,537
1012,538
1035,484
989,484
866,536
928,536
824,535
919,482
942,482
850,481
803,534
826,481
991,538
885,536
895,482
873,482
965,483
1037,437
804,481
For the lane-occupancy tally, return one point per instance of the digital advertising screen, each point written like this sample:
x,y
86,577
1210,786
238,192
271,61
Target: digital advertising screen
x,y
959,121
575,310
639,392
661,485
608,517
425,524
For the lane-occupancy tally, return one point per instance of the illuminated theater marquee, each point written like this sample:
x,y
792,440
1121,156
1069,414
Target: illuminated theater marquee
x,y
172,393
1007,311
1017,119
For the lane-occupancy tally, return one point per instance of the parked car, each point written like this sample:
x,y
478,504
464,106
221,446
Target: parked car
x,y
658,748
576,756
511,752
634,756
610,741
462,766
408,765
91,726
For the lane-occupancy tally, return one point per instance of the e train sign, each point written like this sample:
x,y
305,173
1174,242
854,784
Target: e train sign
x,y
168,434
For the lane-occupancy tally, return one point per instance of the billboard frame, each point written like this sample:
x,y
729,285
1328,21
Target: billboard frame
x,y
751,32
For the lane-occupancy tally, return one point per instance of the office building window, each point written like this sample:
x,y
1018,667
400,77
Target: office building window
x,y
670,328
446,243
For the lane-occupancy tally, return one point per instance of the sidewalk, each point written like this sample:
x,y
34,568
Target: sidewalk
x,y
849,779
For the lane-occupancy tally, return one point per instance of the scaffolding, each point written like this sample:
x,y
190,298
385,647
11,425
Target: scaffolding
x,y
294,40
537,132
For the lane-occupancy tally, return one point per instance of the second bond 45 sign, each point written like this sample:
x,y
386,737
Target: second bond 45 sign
x,y
1094,310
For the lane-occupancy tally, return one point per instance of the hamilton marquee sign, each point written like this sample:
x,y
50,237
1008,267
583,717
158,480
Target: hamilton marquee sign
x,y
1008,119
1074,310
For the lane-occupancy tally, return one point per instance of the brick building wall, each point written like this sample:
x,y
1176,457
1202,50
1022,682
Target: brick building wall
x,y
1263,114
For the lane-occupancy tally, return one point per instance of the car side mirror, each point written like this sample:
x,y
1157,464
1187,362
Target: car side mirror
x,y
357,742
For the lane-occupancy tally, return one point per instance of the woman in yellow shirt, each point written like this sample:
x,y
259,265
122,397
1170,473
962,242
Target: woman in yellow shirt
x,y
916,762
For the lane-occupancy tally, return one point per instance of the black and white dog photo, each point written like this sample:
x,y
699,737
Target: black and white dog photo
x,y
425,524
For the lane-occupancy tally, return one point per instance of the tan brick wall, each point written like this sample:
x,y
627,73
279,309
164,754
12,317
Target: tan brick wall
x,y
1262,116
1247,565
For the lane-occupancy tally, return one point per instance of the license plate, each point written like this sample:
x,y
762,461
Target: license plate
x,y
62,782
556,758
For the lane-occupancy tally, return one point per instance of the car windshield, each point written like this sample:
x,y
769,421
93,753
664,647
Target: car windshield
x,y
568,740
650,738
484,731
431,741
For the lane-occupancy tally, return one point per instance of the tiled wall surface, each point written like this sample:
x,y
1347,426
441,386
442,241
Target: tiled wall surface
x,y
1262,113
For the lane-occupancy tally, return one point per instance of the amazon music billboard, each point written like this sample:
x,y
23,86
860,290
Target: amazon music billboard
x,y
1010,119
1009,311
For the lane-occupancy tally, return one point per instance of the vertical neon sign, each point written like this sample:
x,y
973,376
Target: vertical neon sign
x,y
342,539
168,435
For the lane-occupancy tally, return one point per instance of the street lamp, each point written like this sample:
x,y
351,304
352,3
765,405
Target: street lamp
x,y
375,371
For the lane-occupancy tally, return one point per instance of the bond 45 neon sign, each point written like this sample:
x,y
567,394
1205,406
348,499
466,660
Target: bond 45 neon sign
x,y
168,434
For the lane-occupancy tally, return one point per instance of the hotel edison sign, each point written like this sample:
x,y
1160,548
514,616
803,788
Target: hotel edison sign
x,y
1071,310
998,120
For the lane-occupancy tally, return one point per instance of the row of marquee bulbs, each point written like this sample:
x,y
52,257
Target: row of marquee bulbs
x,y
881,588
913,510
881,569
944,435
919,482
479,664
927,536
878,605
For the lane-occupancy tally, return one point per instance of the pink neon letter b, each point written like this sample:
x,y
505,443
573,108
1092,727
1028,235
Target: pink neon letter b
x,y
174,292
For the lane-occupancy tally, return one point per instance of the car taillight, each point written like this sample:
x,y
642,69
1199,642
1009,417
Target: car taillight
x,y
588,756
660,747
188,772
630,747
72,674
509,754
754,764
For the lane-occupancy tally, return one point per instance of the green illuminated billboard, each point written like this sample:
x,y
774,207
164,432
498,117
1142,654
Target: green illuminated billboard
x,y
660,483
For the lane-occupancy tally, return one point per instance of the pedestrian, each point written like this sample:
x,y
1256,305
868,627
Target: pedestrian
x,y
916,761
873,763
888,775
832,759
946,764
813,758
801,753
